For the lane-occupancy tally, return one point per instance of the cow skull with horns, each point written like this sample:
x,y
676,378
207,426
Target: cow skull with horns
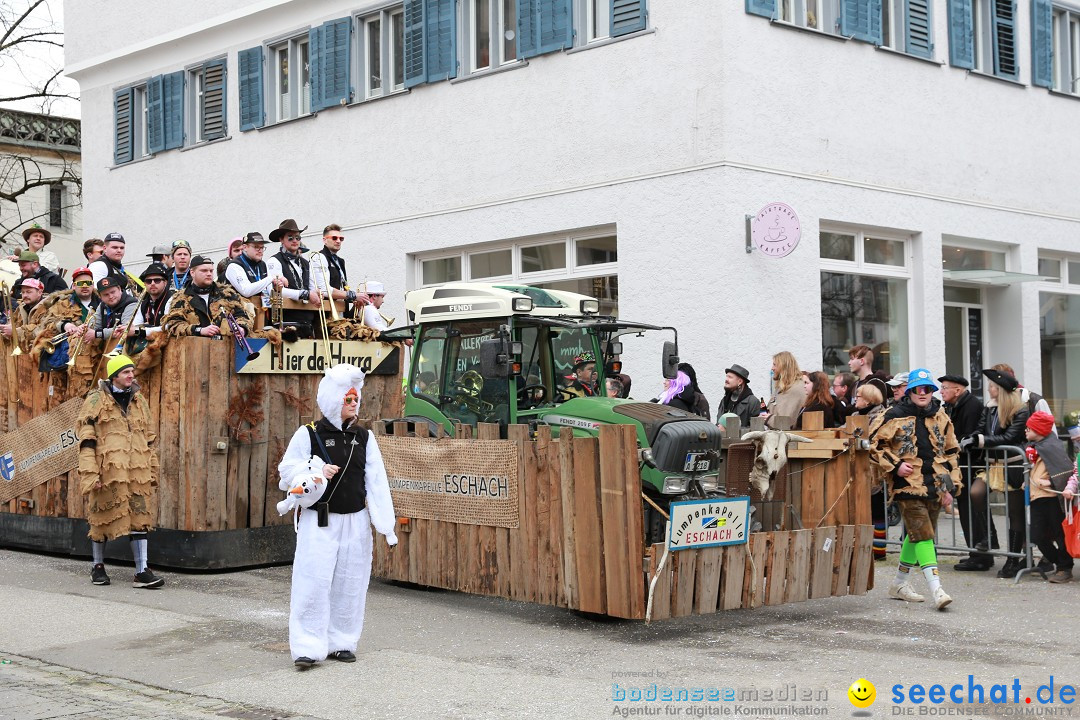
x,y
771,457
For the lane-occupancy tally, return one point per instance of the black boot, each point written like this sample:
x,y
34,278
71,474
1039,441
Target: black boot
x,y
1009,570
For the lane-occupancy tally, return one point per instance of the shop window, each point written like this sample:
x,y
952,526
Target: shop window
x,y
1059,328
441,270
838,246
1050,268
597,251
961,258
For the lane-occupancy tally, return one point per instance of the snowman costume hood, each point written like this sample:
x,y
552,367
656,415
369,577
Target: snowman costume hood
x,y
332,564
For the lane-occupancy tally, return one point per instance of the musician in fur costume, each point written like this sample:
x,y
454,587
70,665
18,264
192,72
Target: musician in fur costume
x,y
66,311
199,309
118,468
332,564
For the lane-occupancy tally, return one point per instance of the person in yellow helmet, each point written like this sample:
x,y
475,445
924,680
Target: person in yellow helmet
x,y
118,468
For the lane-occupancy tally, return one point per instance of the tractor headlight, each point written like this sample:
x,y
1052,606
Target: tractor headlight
x,y
590,307
675,484
522,304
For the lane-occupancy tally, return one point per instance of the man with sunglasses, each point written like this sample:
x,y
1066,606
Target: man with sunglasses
x,y
329,270
153,308
296,270
181,272
71,312
913,443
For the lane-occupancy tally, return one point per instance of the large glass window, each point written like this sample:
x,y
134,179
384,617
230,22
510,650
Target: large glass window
x,y
290,79
497,263
441,270
492,27
597,251
382,51
541,258
962,258
1059,329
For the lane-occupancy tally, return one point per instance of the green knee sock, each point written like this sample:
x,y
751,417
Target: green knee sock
x,y
908,560
927,555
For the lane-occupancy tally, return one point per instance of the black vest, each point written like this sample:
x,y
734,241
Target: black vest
x,y
296,282
254,271
339,278
116,270
152,312
113,315
347,491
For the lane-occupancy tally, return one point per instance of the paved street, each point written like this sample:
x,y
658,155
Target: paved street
x,y
216,646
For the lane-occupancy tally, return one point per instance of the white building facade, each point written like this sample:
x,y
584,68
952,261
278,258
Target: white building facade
x,y
616,147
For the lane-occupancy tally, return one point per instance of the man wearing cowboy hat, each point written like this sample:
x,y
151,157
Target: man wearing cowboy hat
x,y
30,267
36,238
738,398
248,274
301,286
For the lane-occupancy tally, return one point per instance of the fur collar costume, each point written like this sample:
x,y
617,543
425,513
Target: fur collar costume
x,y
908,433
116,450
189,313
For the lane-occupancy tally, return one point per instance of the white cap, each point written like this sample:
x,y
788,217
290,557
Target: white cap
x,y
898,380
374,287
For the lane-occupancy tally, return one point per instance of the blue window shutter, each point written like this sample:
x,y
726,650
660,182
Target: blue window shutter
x,y
155,115
556,25
1042,44
315,58
172,106
123,130
627,16
213,118
1003,15
861,20
332,65
414,42
961,34
919,24
250,72
440,39
765,8
528,32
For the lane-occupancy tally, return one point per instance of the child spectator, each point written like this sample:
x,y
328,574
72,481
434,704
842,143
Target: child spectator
x,y
1050,475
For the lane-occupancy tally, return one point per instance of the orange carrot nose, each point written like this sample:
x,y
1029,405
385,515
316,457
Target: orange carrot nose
x,y
298,490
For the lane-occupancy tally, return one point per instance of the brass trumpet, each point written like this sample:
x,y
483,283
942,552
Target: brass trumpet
x,y
74,353
50,346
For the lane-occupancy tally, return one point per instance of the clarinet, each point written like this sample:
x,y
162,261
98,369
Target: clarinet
x,y
239,336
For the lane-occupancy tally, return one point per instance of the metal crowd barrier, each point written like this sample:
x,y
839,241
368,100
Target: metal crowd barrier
x,y
1001,452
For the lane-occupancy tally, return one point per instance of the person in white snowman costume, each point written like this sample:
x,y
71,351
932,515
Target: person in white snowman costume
x,y
332,563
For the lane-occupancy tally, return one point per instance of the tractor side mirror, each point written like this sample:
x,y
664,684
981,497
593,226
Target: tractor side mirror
x,y
495,358
670,360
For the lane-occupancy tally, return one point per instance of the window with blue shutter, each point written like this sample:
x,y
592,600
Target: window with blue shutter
x,y
765,8
919,28
627,16
1042,43
123,130
1003,21
544,26
250,79
961,34
172,109
155,115
414,42
212,116
329,52
861,20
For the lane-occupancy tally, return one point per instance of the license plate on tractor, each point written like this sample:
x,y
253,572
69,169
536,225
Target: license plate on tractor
x,y
696,462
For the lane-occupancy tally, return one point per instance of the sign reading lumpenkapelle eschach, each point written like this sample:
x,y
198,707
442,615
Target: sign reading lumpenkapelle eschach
x,y
39,450
474,482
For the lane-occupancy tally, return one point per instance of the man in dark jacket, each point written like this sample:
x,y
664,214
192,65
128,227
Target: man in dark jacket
x,y
30,267
965,410
738,398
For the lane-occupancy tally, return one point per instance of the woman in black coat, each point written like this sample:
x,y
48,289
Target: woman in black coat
x,y
1002,424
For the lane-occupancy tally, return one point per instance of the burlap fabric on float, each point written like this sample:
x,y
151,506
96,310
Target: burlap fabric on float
x,y
474,482
40,450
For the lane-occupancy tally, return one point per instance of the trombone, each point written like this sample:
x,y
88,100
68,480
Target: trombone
x,y
120,337
335,317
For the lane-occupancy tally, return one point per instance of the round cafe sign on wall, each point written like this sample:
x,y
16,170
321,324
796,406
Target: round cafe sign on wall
x,y
776,230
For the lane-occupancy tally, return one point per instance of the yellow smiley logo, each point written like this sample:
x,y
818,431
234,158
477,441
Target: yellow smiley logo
x,y
862,693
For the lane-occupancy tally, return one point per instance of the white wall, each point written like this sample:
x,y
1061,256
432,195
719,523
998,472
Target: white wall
x,y
672,136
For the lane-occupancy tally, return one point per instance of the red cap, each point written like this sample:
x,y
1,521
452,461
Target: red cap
x,y
80,271
1041,423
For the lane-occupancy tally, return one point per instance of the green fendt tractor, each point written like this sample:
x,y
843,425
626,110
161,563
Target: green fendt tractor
x,y
506,354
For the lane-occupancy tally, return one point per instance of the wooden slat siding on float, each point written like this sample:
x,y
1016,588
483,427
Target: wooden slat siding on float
x,y
683,580
426,564
707,579
813,492
520,572
863,571
798,570
485,561
258,459
569,589
28,404
837,491
168,441
534,480
193,423
218,499
842,570
552,530
753,593
661,609
233,499
614,521
538,481
861,490
635,520
822,562
776,568
732,576
588,538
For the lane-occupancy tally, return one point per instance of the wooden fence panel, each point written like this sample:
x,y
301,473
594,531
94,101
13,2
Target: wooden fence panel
x,y
822,562
589,541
